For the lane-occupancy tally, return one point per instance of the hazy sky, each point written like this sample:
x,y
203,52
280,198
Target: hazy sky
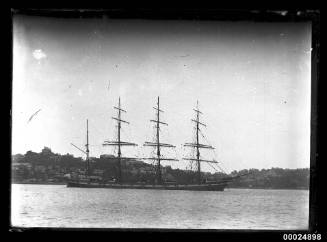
x,y
252,81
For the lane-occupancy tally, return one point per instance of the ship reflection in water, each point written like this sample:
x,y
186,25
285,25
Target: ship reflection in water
x,y
59,206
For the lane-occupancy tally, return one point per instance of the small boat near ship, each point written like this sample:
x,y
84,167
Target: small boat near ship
x,y
158,184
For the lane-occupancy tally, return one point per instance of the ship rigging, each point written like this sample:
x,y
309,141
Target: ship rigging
x,y
120,183
197,145
120,143
157,144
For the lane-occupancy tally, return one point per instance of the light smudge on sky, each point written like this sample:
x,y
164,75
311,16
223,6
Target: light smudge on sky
x,y
39,54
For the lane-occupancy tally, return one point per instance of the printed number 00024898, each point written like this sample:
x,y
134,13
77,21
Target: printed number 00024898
x,y
302,236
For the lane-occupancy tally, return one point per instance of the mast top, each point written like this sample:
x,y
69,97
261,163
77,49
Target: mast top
x,y
158,144
119,120
197,107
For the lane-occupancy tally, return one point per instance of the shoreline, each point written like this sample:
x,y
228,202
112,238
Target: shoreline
x,y
270,188
40,183
263,188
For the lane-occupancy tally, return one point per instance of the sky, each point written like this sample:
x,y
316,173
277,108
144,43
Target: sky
x,y
252,81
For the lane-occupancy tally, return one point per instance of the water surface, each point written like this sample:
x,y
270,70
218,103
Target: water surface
x,y
59,206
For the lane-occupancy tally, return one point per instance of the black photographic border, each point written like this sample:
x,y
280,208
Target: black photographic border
x,y
205,14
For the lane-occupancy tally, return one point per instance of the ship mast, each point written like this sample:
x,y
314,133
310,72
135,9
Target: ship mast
x,y
198,145
87,151
120,143
158,145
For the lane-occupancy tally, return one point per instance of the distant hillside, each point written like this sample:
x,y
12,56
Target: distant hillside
x,y
47,167
274,178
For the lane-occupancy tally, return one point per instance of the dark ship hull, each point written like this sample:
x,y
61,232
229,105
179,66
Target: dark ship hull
x,y
191,187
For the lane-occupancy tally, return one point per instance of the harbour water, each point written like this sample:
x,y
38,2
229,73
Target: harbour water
x,y
59,206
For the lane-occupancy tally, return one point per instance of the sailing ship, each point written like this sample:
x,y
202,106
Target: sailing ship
x,y
119,183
